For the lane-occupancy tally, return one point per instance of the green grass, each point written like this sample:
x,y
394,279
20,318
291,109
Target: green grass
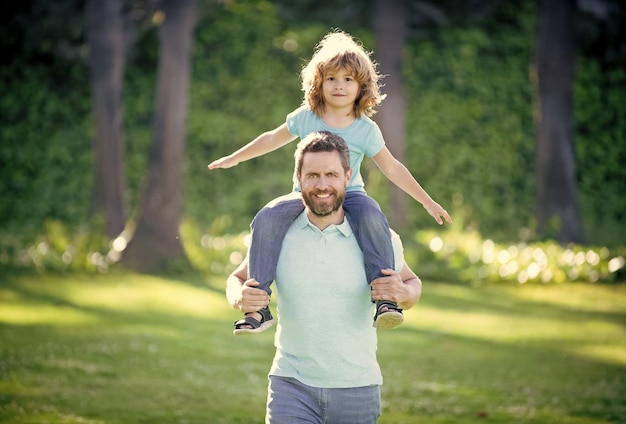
x,y
127,348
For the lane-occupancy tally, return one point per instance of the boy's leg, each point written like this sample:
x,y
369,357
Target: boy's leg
x,y
268,230
372,232
374,237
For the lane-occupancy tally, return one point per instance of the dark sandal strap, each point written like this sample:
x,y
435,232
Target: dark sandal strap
x,y
254,323
266,315
391,306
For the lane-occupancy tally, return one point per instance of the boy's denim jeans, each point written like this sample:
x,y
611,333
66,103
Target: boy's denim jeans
x,y
270,225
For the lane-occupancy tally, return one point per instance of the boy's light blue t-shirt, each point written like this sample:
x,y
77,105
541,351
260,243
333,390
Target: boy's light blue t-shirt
x,y
363,137
324,337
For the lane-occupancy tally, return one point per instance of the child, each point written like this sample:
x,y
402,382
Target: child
x,y
341,91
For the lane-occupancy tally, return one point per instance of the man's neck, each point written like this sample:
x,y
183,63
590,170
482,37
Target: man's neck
x,y
323,222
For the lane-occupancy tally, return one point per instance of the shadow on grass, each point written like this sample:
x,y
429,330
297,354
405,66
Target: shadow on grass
x,y
150,359
454,378
493,300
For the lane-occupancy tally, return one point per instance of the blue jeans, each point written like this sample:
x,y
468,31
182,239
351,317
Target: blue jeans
x,y
270,225
292,402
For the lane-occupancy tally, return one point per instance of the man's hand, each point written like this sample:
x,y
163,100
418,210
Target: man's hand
x,y
404,289
249,298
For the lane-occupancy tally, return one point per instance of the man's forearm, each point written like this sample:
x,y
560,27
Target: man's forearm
x,y
414,286
233,290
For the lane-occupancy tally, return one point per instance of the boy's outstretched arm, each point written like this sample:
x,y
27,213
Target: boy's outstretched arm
x,y
398,174
264,143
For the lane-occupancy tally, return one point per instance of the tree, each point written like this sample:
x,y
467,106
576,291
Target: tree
x,y
390,21
156,243
105,33
555,164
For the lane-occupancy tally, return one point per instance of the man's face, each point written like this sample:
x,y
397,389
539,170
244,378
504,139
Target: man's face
x,y
323,182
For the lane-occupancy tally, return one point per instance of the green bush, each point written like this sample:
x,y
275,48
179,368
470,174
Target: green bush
x,y
469,128
468,258
58,248
600,102
451,255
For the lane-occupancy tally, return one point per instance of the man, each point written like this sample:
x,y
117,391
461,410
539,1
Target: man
x,y
325,368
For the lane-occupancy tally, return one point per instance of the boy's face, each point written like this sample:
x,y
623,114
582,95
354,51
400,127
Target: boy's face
x,y
340,89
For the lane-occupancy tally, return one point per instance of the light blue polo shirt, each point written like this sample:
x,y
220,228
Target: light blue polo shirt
x,y
363,138
325,336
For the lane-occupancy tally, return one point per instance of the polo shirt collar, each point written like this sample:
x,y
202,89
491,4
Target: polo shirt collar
x,y
344,228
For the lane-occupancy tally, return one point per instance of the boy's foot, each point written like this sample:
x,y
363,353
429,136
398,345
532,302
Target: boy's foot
x,y
254,322
388,315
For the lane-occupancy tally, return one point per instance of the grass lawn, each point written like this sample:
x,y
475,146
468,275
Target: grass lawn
x,y
126,348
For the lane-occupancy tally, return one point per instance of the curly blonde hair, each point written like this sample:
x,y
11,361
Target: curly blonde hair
x,y
338,50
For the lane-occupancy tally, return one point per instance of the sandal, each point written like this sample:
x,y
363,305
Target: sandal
x,y
257,326
390,319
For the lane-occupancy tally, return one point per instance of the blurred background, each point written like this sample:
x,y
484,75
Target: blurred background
x,y
511,114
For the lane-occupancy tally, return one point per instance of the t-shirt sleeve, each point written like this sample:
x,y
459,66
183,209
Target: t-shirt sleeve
x,y
294,121
376,141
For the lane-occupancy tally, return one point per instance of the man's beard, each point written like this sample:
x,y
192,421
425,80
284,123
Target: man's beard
x,y
322,207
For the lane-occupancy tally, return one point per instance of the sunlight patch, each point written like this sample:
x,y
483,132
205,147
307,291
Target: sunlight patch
x,y
43,314
611,354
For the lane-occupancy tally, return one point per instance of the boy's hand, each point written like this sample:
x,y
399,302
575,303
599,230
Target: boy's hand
x,y
436,211
225,162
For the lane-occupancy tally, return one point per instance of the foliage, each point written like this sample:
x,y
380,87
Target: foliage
x,y
245,82
58,248
128,348
460,253
599,148
44,151
466,257
469,118
456,254
470,130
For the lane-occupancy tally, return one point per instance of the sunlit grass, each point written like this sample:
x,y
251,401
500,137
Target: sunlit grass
x,y
127,348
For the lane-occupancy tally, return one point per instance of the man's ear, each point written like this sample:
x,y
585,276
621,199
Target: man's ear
x,y
348,175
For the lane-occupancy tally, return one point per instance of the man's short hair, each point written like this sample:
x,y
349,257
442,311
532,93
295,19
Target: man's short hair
x,y
322,141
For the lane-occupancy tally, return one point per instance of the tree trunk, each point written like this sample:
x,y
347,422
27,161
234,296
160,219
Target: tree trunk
x,y
156,244
556,205
390,22
105,33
